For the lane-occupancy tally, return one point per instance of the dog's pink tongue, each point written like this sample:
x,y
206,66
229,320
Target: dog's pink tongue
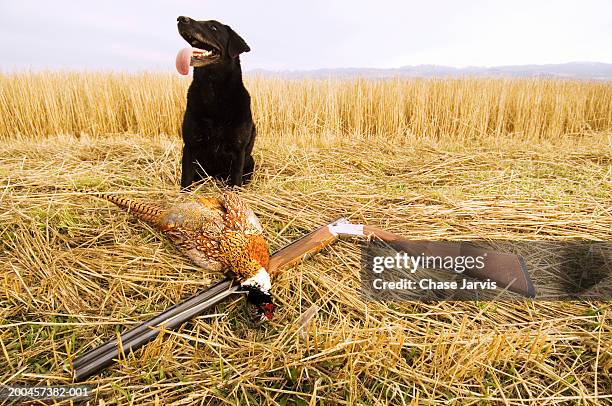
x,y
183,60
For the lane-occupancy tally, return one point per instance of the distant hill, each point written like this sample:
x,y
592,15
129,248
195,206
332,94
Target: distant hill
x,y
571,70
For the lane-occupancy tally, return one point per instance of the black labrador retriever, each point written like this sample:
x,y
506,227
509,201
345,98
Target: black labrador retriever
x,y
218,128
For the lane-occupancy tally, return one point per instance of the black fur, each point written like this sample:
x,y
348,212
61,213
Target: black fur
x,y
218,128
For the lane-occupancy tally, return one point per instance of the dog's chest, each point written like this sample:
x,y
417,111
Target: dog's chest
x,y
210,133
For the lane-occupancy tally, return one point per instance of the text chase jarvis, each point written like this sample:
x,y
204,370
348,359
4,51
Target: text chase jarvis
x,y
410,263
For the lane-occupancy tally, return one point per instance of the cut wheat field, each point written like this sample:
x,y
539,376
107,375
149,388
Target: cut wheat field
x,y
427,159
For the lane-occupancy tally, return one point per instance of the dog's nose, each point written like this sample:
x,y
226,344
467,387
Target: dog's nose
x,y
183,19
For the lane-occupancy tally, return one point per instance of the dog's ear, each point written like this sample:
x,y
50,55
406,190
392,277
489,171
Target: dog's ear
x,y
235,43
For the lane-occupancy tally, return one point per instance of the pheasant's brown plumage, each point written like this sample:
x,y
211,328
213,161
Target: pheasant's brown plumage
x,y
218,234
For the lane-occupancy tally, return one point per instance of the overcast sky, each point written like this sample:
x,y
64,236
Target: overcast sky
x,y
291,35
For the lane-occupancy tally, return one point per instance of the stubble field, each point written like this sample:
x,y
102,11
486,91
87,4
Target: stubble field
x,y
428,159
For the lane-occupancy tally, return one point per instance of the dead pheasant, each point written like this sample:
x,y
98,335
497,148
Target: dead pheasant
x,y
218,234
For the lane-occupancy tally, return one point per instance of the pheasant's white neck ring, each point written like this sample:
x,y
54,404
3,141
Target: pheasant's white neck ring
x,y
261,280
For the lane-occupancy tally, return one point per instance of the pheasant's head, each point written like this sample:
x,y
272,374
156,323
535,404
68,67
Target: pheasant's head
x,y
258,294
259,285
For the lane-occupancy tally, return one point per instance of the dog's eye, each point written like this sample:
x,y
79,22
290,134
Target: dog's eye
x,y
212,27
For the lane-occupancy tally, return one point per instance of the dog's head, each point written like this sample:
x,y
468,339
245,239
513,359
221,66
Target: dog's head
x,y
220,43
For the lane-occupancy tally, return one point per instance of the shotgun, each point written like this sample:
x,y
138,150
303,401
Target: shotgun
x,y
508,270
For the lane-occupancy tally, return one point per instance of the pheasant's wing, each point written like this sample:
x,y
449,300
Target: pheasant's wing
x,y
195,228
239,216
211,203
193,217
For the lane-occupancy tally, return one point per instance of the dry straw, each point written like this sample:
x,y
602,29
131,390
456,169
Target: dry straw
x,y
72,268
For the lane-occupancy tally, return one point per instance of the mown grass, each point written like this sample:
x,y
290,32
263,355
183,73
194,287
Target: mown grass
x,y
74,270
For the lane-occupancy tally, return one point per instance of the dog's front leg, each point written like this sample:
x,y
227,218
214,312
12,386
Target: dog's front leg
x,y
237,167
187,167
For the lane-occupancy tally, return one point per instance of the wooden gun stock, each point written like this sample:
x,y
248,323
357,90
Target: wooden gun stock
x,y
301,249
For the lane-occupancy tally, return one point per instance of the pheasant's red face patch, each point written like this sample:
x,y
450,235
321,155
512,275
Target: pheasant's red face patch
x,y
268,310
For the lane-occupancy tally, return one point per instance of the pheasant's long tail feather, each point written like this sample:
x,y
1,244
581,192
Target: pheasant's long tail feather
x,y
143,211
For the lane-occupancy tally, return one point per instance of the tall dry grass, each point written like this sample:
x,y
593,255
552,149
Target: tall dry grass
x,y
49,103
